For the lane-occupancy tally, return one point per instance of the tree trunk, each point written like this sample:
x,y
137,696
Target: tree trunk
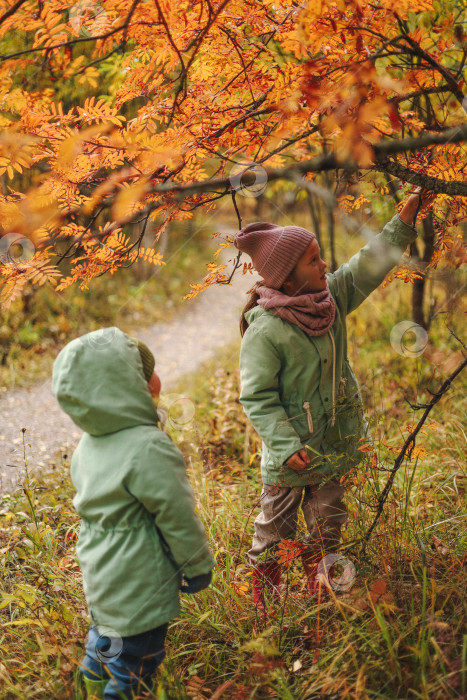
x,y
331,225
419,285
314,211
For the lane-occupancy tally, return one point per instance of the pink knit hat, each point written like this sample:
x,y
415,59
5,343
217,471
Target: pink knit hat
x,y
274,250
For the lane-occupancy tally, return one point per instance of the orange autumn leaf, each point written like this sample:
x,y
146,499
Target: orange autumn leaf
x,y
151,136
288,550
367,447
126,202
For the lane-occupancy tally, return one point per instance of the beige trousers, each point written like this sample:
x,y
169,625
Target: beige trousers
x,y
323,509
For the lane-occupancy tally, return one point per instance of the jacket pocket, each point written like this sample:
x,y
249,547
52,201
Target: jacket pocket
x,y
298,419
349,424
306,419
166,564
352,389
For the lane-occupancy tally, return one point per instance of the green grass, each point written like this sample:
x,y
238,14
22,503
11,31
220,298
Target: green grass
x,y
397,633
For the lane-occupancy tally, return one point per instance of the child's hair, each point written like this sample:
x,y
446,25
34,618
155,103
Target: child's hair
x,y
252,301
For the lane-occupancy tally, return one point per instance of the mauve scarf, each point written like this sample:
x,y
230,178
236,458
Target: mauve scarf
x,y
313,312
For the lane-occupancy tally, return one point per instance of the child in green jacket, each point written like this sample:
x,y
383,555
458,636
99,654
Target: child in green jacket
x,y
139,532
297,386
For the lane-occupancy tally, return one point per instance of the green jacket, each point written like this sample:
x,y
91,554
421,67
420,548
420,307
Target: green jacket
x,y
139,530
301,391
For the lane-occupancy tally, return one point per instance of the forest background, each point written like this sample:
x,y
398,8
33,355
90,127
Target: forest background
x,y
133,135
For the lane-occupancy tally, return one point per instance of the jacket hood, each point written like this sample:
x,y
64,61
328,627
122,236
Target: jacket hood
x,y
98,380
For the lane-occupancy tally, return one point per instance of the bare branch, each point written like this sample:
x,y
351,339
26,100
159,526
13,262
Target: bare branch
x,y
409,445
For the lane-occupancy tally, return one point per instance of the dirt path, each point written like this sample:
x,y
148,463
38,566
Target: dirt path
x,y
209,323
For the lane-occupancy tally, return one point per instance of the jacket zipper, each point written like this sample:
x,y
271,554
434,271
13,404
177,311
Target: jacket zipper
x,y
306,406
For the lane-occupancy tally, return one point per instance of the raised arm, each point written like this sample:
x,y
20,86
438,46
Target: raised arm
x,y
353,281
259,395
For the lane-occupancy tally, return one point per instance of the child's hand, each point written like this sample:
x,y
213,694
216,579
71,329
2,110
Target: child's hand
x,y
197,583
417,193
418,199
298,461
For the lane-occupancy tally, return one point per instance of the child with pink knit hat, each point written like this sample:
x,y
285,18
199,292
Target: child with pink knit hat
x,y
297,387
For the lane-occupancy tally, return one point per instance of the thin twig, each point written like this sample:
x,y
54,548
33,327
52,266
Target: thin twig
x,y
409,445
237,260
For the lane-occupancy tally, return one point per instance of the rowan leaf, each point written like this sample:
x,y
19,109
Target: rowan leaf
x,y
288,551
111,112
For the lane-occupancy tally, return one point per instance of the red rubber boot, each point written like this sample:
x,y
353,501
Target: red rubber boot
x,y
266,577
310,561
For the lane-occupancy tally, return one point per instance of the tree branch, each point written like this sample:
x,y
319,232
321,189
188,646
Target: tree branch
x,y
450,79
111,32
12,10
329,162
410,444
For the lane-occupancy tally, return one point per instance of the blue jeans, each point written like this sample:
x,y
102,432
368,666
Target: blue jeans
x,y
124,661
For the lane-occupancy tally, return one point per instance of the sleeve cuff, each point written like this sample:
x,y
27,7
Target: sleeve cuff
x,y
199,566
397,232
286,455
404,223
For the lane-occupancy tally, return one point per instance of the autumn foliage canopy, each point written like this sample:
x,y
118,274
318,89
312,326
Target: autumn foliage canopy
x,y
118,117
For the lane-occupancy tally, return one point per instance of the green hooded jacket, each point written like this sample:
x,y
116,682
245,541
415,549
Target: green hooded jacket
x,y
299,390
139,530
